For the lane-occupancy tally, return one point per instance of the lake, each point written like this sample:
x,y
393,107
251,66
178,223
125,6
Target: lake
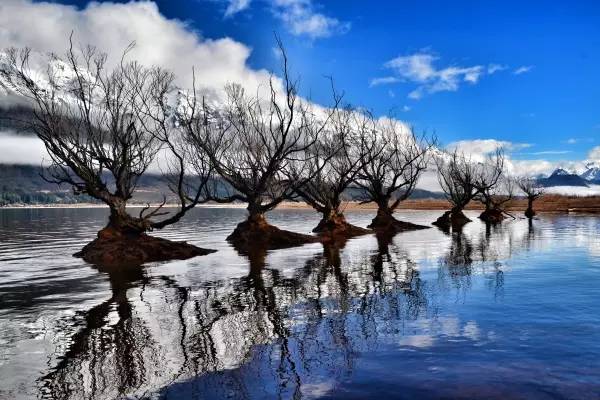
x,y
506,312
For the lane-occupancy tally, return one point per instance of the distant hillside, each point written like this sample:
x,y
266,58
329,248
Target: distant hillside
x,y
23,184
355,193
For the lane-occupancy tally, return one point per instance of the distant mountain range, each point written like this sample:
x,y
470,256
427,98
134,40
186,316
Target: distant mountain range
x,y
562,177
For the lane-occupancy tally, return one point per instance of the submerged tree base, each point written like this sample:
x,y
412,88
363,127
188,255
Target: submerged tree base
x,y
389,225
113,248
338,228
256,232
450,219
492,216
529,213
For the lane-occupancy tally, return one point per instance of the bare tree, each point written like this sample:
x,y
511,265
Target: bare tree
x,y
396,159
249,141
533,190
333,164
497,199
457,176
492,190
102,129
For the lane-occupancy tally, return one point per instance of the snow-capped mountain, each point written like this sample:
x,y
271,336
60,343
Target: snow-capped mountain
x,y
591,174
562,177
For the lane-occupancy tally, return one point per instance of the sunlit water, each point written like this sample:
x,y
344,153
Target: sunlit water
x,y
503,312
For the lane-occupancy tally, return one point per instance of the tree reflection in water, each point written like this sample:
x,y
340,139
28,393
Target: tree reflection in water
x,y
263,335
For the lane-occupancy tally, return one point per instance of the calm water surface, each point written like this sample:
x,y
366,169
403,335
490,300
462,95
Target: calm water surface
x,y
509,312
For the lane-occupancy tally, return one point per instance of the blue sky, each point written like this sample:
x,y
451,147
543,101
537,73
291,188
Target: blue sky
x,y
520,72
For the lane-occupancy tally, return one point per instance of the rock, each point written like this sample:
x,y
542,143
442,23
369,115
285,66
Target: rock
x,y
113,248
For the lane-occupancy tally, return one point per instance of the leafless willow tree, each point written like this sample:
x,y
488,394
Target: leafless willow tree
x,y
457,176
251,140
493,189
396,160
103,128
533,190
333,164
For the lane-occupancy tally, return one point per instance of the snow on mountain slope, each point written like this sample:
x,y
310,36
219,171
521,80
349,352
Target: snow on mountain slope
x,y
592,173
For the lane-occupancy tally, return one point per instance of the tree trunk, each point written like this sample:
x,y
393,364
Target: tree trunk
x,y
385,221
384,215
123,242
256,215
331,220
255,232
455,219
121,224
529,213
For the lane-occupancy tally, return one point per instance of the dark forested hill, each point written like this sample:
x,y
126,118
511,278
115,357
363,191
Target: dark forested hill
x,y
23,184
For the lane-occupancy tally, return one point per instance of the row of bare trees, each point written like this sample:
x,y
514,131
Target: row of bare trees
x,y
463,180
105,127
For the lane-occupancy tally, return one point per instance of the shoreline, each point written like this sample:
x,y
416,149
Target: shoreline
x,y
547,204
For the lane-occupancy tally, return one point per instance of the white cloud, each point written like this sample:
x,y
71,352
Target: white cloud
x,y
383,81
19,149
419,68
236,6
549,152
301,19
523,69
483,147
594,154
406,108
112,27
493,68
592,190
578,140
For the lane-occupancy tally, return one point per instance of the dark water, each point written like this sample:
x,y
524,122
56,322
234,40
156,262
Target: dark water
x,y
504,313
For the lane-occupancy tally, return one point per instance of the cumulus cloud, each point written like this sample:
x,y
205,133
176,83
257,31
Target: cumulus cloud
x,y
112,27
594,154
478,149
483,147
523,69
419,68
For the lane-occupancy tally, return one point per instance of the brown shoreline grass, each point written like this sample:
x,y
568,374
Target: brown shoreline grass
x,y
547,204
